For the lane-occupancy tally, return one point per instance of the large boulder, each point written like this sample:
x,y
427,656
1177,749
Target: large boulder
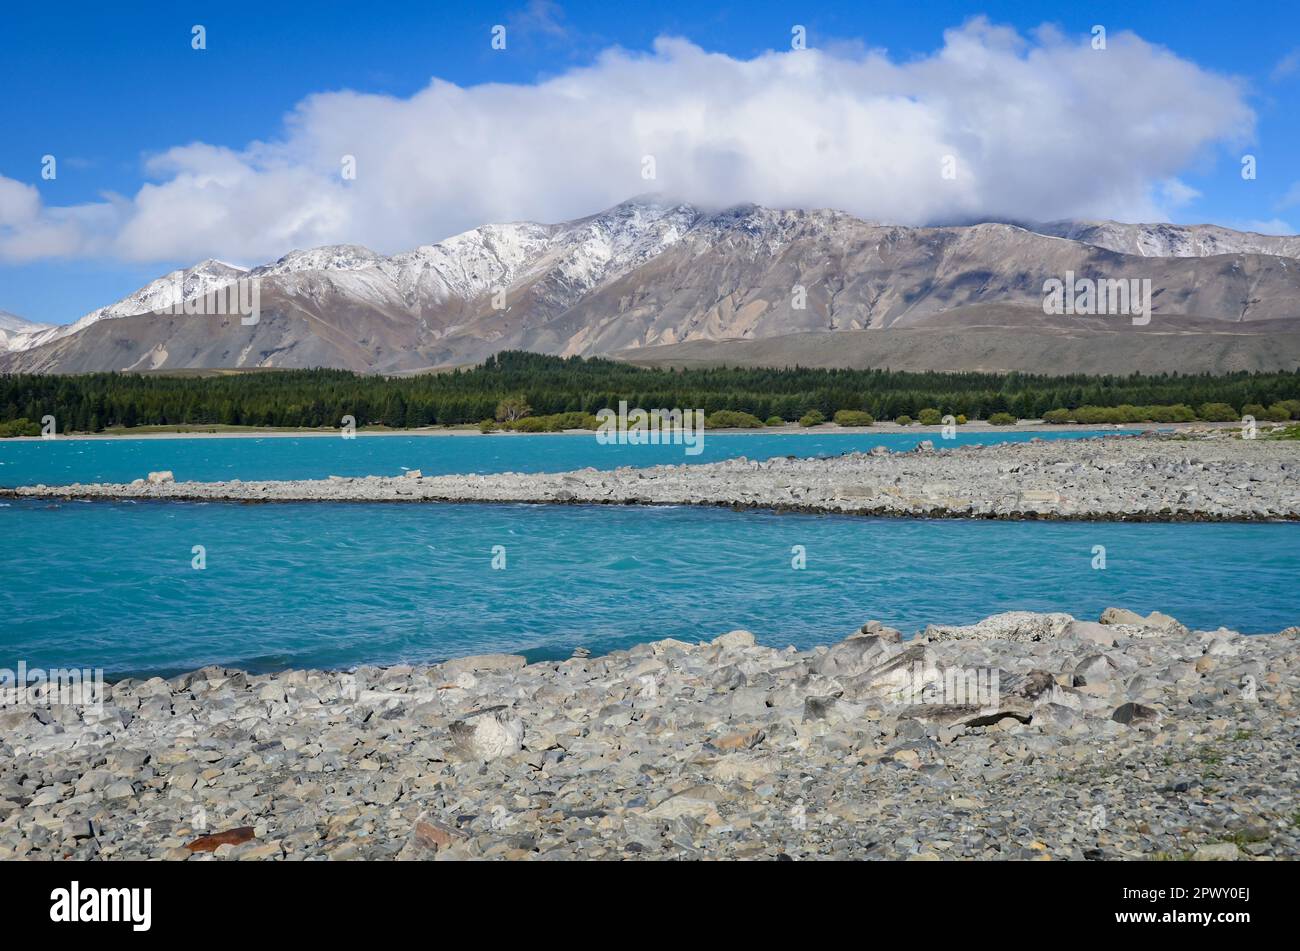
x,y
851,657
1120,616
1021,626
1136,714
488,734
896,678
1153,622
1094,669
1092,632
734,639
1014,696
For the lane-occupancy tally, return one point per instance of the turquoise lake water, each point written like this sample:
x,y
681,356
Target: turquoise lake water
x,y
63,461
112,585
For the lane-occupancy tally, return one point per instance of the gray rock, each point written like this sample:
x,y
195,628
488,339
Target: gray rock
x,y
1135,714
1121,616
1094,669
1102,635
737,638
1217,852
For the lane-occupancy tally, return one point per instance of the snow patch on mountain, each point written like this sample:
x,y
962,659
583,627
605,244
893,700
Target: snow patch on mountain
x,y
333,257
616,241
575,256
468,265
1172,241
15,331
15,324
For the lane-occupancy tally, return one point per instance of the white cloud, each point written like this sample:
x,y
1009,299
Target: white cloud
x,y
1274,226
1287,65
29,230
1042,127
538,17
1174,193
20,204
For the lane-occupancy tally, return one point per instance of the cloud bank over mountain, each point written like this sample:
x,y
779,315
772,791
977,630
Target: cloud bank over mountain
x,y
1038,127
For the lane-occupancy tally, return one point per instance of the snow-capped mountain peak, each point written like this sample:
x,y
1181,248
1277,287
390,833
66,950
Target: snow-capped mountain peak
x,y
15,331
173,288
332,257
157,295
470,264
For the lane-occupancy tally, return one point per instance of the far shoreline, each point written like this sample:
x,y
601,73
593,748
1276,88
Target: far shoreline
x,y
884,428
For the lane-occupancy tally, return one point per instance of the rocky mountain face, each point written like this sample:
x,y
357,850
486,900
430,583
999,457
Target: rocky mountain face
x,y
1172,241
648,274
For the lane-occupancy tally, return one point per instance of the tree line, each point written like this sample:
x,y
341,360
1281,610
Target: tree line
x,y
555,385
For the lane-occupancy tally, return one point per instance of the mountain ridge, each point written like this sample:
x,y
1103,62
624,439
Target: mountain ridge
x,y
649,273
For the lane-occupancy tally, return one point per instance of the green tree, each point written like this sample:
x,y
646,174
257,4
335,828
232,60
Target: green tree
x,y
512,408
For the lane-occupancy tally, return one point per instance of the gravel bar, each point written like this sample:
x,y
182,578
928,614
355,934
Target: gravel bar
x,y
1139,478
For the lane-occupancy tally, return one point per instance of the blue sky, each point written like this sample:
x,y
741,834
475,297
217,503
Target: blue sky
x,y
104,90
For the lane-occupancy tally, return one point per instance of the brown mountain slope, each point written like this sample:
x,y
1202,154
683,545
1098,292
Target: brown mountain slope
x,y
648,275
993,338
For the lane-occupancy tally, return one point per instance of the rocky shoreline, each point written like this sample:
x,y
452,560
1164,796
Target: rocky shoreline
x,y
1150,478
1129,738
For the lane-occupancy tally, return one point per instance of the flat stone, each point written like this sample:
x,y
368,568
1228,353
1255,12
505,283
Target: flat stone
x,y
744,740
482,662
214,841
1217,852
433,835
1135,714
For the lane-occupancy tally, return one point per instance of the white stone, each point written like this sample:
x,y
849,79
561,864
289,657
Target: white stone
x,y
488,734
